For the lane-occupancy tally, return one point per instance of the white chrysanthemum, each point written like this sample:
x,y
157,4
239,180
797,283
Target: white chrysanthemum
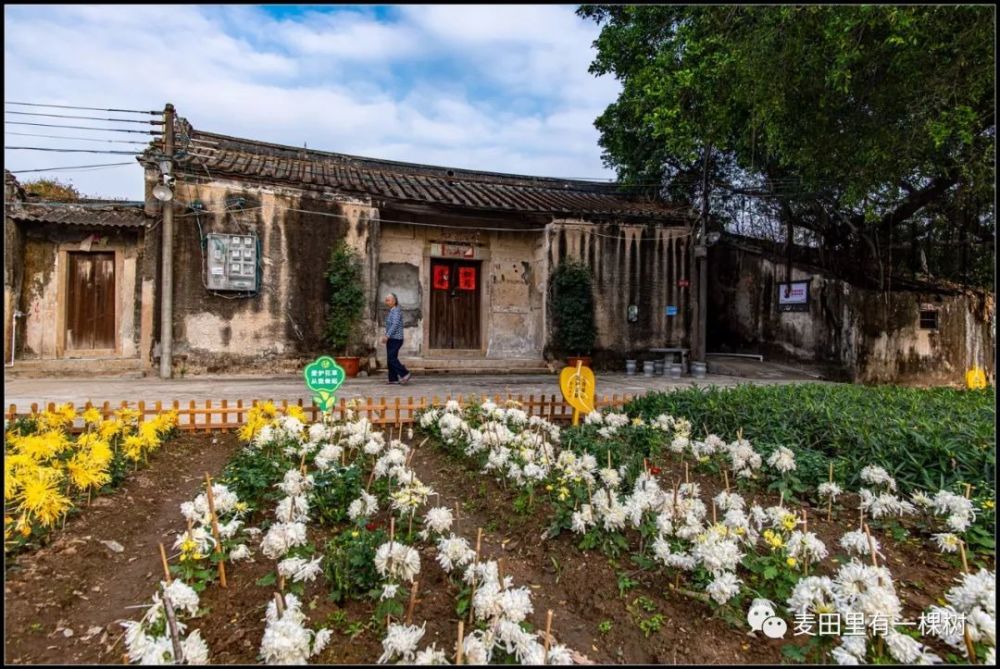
x,y
194,649
813,594
851,651
610,477
475,648
363,507
389,591
182,596
724,587
328,455
240,552
560,654
516,603
286,641
439,519
782,459
293,509
729,500
908,650
397,560
321,640
875,475
582,519
806,546
201,536
679,444
829,490
401,642
454,551
593,418
431,655
856,543
295,483
281,538
300,569
717,555
947,542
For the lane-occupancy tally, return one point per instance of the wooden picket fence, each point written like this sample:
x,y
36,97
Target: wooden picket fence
x,y
225,415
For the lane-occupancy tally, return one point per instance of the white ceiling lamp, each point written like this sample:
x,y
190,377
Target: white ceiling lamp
x,y
162,191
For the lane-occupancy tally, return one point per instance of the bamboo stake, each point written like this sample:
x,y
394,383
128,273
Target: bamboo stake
x,y
479,545
871,546
548,636
166,569
460,649
714,520
279,601
687,473
968,490
500,572
125,659
965,562
281,583
829,500
725,476
172,627
413,602
215,529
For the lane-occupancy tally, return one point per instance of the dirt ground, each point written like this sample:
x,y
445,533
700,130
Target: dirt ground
x,y
63,601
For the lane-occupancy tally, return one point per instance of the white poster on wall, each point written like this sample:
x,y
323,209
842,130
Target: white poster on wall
x,y
793,296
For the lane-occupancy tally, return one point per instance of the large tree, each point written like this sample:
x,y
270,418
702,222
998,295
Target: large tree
x,y
870,129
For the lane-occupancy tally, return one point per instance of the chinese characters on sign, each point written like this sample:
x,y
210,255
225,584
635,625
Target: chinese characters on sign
x,y
466,278
793,296
323,377
441,277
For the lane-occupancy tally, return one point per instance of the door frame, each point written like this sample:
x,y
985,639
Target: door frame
x,y
485,302
62,266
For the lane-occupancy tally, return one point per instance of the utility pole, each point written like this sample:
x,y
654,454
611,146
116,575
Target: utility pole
x,y
698,344
167,241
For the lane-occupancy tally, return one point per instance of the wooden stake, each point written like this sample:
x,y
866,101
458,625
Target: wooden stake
x,y
371,477
125,659
413,602
687,474
500,572
479,545
460,649
281,583
172,628
215,529
871,546
392,528
968,490
725,476
279,601
548,635
609,458
166,569
714,521
965,562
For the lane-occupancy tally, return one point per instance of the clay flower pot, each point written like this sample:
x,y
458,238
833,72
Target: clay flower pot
x,y
351,365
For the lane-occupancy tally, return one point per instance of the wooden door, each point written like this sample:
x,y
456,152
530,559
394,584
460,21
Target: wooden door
x,y
90,301
454,313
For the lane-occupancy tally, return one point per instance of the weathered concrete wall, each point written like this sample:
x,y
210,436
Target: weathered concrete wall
x,y
512,287
864,335
282,324
13,275
44,257
630,264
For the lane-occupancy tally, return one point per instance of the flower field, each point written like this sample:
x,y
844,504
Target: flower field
x,y
482,534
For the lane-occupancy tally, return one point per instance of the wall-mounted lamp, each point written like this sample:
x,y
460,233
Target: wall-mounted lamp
x,y
713,237
165,166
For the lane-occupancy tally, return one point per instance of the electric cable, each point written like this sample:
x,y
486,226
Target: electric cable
x,y
125,111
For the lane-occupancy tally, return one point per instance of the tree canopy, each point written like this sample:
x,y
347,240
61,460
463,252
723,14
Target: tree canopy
x,y
870,127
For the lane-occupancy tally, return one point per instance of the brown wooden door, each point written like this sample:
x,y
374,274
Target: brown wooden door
x,y
455,304
90,301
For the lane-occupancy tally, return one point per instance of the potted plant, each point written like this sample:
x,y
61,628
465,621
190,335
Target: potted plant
x,y
573,311
346,306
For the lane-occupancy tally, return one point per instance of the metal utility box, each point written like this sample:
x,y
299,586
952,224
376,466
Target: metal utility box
x,y
231,261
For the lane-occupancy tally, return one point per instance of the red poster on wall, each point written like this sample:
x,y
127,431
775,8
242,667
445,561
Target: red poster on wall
x,y
441,277
467,278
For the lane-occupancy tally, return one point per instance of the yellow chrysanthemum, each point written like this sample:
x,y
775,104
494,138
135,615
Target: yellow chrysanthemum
x,y
127,415
92,416
84,473
297,413
41,497
791,562
132,447
41,447
773,539
149,434
110,429
789,521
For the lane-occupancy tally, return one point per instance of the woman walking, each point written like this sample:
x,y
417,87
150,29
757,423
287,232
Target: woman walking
x,y
393,340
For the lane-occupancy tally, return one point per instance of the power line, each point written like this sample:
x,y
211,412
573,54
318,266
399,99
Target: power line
x,y
79,139
71,167
40,148
126,111
85,127
86,118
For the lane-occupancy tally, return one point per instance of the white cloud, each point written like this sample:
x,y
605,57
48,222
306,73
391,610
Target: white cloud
x,y
489,88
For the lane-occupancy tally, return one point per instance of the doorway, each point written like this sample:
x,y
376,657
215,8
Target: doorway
x,y
454,308
90,301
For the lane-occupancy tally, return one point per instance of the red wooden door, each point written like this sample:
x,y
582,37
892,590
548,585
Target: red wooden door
x,y
454,313
90,301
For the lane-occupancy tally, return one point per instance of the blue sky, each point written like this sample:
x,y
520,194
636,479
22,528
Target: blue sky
x,y
501,88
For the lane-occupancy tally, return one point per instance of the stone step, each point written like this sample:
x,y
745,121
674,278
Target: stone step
x,y
478,366
75,367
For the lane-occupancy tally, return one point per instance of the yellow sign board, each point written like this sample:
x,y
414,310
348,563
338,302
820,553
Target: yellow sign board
x,y
578,386
975,378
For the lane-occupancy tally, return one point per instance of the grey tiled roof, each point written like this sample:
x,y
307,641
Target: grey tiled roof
x,y
212,155
129,216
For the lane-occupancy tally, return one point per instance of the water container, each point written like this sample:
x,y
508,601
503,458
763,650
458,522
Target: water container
x,y
658,368
630,367
675,370
699,369
647,368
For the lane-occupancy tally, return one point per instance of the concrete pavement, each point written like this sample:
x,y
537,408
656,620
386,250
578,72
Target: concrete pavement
x,y
23,392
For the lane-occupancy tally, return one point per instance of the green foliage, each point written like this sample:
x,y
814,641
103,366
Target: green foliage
x,y
334,490
852,119
253,472
604,626
925,438
573,309
347,296
349,566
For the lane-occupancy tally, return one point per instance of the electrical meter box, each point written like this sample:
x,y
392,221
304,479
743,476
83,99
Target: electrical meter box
x,y
231,261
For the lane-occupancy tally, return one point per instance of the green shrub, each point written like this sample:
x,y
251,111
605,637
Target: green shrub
x,y
926,438
347,296
573,309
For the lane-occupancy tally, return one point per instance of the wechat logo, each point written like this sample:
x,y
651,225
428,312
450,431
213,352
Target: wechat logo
x,y
762,618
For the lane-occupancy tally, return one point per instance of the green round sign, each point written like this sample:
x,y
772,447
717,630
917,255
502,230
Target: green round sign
x,y
323,377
